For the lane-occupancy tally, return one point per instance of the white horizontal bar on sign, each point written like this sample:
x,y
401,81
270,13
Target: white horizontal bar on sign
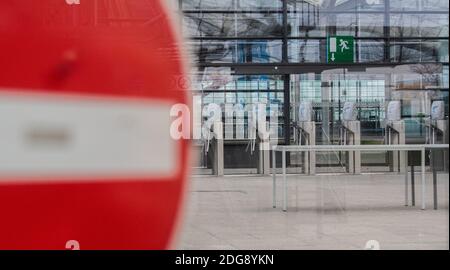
x,y
333,44
43,135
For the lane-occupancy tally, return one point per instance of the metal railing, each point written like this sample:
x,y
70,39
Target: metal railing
x,y
404,148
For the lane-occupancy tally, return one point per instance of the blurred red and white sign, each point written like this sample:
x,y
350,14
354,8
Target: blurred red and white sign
x,y
86,89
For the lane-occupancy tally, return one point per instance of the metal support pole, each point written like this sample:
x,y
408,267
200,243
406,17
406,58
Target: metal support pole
x,y
217,151
413,188
433,168
274,175
283,161
406,177
423,179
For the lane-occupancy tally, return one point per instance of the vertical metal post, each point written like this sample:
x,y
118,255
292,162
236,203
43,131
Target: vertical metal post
x,y
413,188
406,177
286,110
386,31
274,175
423,179
389,136
283,161
433,168
284,52
286,79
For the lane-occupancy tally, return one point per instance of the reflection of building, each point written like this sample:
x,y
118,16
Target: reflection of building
x,y
102,14
276,51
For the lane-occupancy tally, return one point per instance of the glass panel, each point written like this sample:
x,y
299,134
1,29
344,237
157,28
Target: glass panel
x,y
419,51
236,51
370,25
232,5
345,23
370,51
208,4
445,77
310,90
329,91
307,51
232,25
306,24
258,51
374,5
418,77
323,5
315,25
263,97
212,51
212,79
416,25
260,4
251,89
231,97
419,5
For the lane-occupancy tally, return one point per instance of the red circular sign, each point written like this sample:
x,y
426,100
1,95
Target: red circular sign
x,y
86,89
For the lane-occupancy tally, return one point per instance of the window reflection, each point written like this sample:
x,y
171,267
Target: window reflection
x,y
232,4
217,86
370,25
236,51
419,5
419,25
307,51
370,51
419,51
401,53
252,31
232,25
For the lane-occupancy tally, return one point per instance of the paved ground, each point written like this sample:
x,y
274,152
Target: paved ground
x,y
325,212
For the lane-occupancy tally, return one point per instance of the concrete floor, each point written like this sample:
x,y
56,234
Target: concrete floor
x,y
325,212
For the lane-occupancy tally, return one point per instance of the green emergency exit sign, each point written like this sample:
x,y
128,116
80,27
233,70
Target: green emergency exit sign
x,y
341,49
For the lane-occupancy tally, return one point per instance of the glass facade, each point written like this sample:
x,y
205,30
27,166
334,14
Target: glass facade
x,y
275,52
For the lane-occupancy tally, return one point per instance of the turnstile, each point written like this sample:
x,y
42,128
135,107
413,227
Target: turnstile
x,y
437,133
306,135
213,143
350,134
395,133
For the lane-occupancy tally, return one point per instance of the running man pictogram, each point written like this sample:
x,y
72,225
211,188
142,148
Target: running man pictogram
x,y
343,44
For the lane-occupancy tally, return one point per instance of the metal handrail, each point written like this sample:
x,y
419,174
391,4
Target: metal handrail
x,y
392,147
361,147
